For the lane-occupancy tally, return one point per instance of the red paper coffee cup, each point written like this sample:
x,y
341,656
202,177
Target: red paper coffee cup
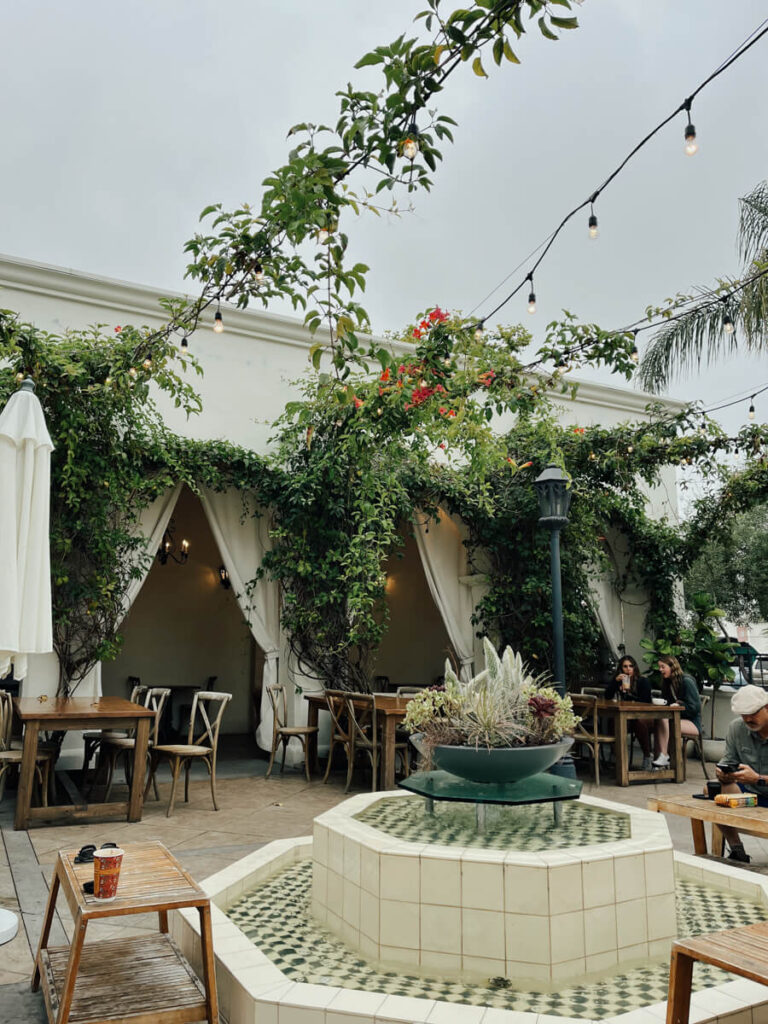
x,y
106,872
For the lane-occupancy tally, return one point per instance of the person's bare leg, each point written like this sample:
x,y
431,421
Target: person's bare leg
x,y
662,736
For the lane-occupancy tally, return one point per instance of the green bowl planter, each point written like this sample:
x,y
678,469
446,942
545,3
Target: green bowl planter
x,y
500,764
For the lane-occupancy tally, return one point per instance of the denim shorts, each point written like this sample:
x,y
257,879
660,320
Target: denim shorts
x,y
762,799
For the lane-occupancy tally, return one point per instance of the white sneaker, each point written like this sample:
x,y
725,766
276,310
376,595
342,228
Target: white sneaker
x,y
662,761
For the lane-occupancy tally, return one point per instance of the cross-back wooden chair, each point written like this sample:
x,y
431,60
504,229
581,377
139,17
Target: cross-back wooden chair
x,y
282,732
92,737
202,744
355,727
114,747
588,733
337,708
11,757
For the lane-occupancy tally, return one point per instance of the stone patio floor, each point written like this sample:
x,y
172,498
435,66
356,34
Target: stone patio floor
x,y
253,811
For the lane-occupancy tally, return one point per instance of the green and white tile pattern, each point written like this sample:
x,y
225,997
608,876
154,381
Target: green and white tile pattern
x,y
530,827
276,917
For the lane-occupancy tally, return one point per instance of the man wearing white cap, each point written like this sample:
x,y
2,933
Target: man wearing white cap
x,y
746,746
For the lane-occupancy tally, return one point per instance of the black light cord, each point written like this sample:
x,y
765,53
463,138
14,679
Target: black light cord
x,y
739,52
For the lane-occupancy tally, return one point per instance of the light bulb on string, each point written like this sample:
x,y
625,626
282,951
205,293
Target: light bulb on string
x,y
592,224
147,364
634,355
411,143
752,407
218,321
728,325
258,272
184,344
691,145
479,330
531,297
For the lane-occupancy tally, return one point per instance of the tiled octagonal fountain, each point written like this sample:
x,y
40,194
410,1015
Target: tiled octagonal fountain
x,y
561,903
389,915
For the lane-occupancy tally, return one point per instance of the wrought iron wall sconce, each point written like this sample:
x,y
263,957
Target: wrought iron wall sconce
x,y
224,577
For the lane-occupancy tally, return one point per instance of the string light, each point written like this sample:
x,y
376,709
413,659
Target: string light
x,y
752,408
479,331
218,321
411,143
258,272
691,145
592,225
634,355
531,296
184,344
728,325
147,364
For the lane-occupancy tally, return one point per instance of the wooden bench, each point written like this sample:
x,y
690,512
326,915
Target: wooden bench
x,y
742,951
753,820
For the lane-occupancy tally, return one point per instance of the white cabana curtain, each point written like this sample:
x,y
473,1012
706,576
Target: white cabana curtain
x,y
25,494
242,541
607,605
443,557
152,524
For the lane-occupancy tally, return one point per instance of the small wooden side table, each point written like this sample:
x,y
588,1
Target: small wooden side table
x,y
133,980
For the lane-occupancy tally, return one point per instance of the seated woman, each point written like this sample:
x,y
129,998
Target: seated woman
x,y
628,684
678,690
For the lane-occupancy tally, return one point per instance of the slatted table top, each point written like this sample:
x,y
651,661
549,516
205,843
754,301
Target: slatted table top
x,y
150,879
743,951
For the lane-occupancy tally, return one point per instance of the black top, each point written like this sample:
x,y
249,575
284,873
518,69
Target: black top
x,y
640,690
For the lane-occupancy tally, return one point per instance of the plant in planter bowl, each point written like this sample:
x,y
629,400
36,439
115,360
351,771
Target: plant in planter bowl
x,y
502,726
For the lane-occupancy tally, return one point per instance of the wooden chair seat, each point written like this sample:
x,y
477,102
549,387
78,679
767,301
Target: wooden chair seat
x,y
10,756
182,749
113,744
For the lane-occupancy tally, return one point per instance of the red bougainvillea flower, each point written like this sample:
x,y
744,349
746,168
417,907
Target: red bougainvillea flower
x,y
385,375
358,402
442,445
425,325
510,461
486,378
417,333
437,316
578,430
451,412
542,707
442,410
118,329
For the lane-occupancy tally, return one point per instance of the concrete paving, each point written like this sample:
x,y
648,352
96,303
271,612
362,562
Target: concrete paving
x,y
253,811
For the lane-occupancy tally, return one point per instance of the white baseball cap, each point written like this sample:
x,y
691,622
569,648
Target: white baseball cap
x,y
748,700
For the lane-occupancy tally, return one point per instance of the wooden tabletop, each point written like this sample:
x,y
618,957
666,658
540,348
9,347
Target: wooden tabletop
x,y
151,879
386,703
28,708
754,819
602,704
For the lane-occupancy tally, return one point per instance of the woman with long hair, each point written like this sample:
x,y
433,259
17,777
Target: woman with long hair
x,y
628,684
679,690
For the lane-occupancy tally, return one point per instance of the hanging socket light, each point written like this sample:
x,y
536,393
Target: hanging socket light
x,y
218,321
258,272
752,407
728,325
479,330
184,344
634,355
531,297
147,364
411,143
592,224
691,145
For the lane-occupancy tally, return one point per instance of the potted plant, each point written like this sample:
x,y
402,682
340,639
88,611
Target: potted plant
x,y
502,726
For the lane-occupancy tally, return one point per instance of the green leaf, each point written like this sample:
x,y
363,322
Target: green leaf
x,y
370,58
509,53
209,209
564,22
477,67
545,31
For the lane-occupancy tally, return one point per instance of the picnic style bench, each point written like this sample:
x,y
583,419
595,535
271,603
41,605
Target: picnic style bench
x,y
745,819
742,951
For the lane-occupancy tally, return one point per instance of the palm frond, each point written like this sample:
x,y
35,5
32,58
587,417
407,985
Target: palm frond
x,y
753,224
684,345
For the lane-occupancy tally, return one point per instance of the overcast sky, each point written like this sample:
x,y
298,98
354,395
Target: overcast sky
x,y
122,121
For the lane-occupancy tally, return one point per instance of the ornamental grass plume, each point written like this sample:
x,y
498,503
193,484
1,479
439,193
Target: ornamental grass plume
x,y
503,706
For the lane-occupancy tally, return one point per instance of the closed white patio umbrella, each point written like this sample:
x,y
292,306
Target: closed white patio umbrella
x,y
25,572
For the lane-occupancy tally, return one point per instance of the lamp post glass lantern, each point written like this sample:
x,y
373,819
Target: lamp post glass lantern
x,y
554,492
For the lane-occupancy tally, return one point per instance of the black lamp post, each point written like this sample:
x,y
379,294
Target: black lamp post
x,y
554,502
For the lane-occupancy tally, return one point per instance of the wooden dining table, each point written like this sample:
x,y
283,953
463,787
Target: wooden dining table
x,y
390,710
79,713
621,713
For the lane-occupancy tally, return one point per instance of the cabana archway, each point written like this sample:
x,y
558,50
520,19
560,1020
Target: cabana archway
x,y
184,627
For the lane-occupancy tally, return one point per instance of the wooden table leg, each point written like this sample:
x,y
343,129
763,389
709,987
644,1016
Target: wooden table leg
x,y
677,739
718,840
312,719
162,916
209,966
622,757
26,776
679,996
47,921
699,836
139,769
73,965
388,753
